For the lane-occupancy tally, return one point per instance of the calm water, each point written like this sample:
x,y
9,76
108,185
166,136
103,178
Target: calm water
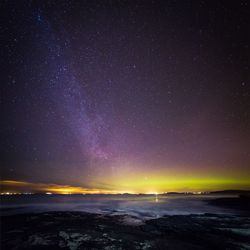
x,y
141,206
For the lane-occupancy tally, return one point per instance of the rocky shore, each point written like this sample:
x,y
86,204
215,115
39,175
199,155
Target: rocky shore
x,y
240,203
77,230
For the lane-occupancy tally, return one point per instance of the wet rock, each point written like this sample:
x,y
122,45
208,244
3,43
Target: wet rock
x,y
77,231
72,240
240,231
35,240
64,235
132,221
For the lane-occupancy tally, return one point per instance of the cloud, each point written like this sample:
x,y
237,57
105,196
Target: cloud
x,y
23,186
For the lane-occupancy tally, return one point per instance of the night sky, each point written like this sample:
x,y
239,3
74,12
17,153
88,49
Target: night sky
x,y
126,96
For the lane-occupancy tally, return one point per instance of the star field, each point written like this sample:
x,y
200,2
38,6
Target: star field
x,y
97,93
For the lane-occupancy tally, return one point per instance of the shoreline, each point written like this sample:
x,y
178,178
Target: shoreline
x,y
240,203
80,230
75,230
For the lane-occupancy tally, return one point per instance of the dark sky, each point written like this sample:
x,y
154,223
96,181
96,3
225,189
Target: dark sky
x,y
135,95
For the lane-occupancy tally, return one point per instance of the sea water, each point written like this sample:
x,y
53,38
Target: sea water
x,y
148,206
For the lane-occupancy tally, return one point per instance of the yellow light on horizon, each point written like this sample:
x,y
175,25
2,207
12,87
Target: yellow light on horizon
x,y
133,185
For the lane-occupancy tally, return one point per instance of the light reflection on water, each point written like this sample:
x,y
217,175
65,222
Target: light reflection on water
x,y
138,205
156,198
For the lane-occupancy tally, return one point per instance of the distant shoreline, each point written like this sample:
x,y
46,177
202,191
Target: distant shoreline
x,y
219,192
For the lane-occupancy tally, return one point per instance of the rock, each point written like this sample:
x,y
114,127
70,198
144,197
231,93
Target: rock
x,y
76,231
240,231
73,240
132,221
64,235
38,240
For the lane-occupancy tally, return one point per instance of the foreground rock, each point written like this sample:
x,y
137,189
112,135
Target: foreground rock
x,y
75,230
241,203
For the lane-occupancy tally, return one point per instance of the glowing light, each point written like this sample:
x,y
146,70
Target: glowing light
x,y
162,183
50,188
156,198
132,184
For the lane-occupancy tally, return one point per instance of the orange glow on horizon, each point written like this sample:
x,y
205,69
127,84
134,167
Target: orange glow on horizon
x,y
153,186
17,186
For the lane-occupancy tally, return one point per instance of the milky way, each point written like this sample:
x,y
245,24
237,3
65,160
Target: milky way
x,y
69,98
107,93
